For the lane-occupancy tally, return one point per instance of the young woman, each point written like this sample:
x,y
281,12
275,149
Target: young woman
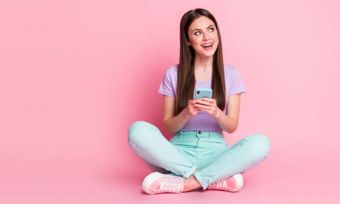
x,y
197,156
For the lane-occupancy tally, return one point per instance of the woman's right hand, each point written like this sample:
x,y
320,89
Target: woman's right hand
x,y
191,110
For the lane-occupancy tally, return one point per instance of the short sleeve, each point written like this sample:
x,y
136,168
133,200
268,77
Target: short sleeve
x,y
236,83
168,85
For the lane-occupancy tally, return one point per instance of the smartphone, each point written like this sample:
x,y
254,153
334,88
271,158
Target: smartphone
x,y
202,93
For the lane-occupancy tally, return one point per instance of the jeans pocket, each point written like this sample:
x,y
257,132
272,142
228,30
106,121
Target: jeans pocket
x,y
175,139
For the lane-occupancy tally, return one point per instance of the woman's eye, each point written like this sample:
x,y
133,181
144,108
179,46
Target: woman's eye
x,y
197,33
211,29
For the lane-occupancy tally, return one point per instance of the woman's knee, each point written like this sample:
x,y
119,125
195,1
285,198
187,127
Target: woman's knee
x,y
259,145
139,129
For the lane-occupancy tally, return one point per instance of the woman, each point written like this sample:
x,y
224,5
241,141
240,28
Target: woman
x,y
197,156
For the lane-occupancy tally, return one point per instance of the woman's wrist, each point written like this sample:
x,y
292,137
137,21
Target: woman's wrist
x,y
218,114
186,114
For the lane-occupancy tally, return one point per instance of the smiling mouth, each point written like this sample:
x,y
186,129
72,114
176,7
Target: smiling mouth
x,y
207,46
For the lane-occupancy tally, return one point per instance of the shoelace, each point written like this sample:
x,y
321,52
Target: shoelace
x,y
167,186
222,184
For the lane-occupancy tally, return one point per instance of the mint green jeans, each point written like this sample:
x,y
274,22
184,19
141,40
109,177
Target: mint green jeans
x,y
204,154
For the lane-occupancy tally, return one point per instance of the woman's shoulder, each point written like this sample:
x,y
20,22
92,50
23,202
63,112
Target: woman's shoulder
x,y
228,68
172,71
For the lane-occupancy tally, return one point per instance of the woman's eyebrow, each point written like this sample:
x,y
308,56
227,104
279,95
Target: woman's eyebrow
x,y
206,27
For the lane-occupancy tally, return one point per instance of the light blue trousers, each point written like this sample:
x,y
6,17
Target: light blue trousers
x,y
204,154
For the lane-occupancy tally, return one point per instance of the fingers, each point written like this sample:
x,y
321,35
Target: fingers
x,y
203,104
202,101
206,101
191,102
203,107
192,108
206,104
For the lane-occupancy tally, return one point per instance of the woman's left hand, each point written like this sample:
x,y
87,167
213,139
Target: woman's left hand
x,y
209,105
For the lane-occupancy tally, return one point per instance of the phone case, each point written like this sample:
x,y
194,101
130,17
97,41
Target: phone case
x,y
202,93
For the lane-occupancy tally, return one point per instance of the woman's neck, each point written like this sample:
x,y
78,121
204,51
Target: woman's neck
x,y
203,64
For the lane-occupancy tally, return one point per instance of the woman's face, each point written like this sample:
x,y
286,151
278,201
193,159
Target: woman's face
x,y
203,36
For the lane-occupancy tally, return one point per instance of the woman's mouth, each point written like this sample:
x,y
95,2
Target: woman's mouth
x,y
207,46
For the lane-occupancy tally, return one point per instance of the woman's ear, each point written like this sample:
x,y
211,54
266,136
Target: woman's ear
x,y
188,43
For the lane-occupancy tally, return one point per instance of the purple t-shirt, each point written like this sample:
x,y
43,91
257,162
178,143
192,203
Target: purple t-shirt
x,y
202,121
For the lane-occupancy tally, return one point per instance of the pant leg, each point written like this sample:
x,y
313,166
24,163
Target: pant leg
x,y
149,143
243,155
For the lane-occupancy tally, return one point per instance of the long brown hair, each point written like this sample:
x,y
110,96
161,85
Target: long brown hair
x,y
186,76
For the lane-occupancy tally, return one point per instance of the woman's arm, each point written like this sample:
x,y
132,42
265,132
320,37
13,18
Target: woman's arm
x,y
175,123
229,122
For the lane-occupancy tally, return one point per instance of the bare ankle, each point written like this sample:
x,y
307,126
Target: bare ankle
x,y
191,183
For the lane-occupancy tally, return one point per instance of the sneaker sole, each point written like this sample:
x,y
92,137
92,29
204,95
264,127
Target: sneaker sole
x,y
148,181
239,182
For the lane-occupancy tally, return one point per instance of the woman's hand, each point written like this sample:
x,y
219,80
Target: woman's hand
x,y
191,110
208,105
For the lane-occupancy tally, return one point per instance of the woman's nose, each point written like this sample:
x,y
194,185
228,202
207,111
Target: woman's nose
x,y
205,36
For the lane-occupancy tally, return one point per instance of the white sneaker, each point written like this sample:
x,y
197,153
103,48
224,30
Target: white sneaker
x,y
163,183
232,184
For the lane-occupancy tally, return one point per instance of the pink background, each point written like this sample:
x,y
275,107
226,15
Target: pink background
x,y
75,74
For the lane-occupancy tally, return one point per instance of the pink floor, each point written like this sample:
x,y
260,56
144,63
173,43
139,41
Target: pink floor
x,y
271,182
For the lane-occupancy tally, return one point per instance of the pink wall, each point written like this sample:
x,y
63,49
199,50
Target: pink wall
x,y
75,74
